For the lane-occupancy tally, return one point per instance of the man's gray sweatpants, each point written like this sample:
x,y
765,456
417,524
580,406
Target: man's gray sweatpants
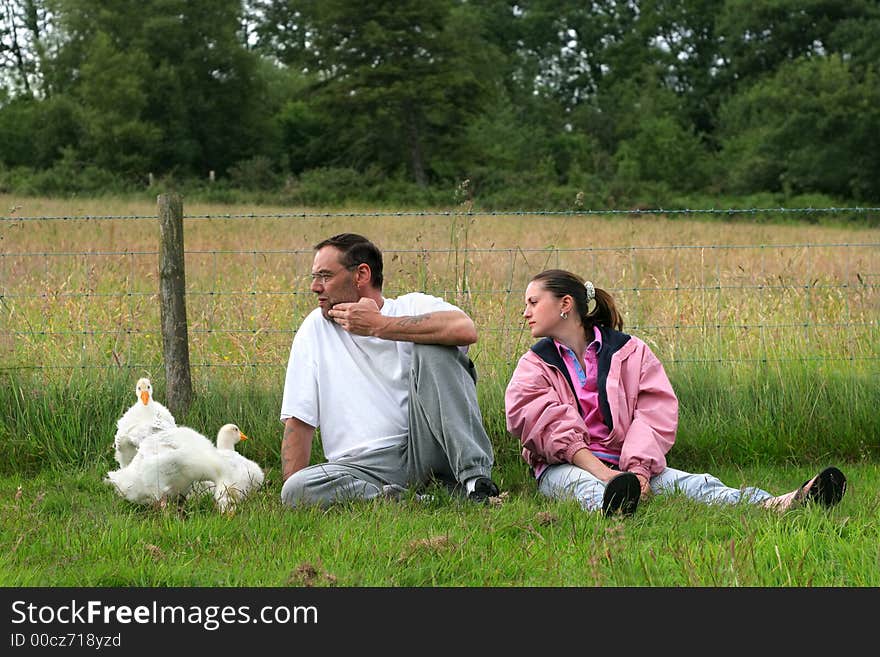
x,y
446,440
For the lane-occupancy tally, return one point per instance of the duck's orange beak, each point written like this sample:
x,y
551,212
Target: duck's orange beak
x,y
145,397
243,437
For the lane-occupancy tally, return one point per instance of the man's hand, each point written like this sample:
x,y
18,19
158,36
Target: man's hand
x,y
361,318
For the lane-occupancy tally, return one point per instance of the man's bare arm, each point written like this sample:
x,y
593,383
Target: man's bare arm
x,y
296,446
449,327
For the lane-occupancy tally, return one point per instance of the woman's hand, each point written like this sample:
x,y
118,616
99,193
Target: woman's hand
x,y
645,483
586,460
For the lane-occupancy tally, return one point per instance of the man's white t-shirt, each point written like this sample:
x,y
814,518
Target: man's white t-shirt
x,y
355,388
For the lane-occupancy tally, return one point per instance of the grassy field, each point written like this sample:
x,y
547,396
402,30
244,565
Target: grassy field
x,y
769,331
65,528
84,292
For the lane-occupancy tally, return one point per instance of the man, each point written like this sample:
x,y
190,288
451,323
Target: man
x,y
388,383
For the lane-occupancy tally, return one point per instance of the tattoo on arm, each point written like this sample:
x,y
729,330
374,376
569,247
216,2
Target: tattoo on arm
x,y
414,319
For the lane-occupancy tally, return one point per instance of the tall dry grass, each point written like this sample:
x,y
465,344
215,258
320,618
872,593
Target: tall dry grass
x,y
83,292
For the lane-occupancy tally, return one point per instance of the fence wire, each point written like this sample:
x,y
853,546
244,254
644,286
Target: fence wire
x,y
730,212
77,296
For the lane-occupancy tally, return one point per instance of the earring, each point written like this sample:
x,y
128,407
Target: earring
x,y
563,315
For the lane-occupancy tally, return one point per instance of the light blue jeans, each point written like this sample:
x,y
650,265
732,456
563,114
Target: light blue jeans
x,y
566,481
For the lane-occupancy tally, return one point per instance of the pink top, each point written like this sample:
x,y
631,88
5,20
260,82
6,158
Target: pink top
x,y
541,411
585,385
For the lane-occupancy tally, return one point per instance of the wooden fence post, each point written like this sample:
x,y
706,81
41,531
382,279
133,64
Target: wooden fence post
x,y
172,296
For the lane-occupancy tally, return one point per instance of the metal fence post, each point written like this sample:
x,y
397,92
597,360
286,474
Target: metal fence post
x,y
172,295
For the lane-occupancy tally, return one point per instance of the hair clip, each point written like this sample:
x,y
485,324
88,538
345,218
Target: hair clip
x,y
591,291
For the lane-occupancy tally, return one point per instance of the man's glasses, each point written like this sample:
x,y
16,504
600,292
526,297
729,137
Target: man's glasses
x,y
323,276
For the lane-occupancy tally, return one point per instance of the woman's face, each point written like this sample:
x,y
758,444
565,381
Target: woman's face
x,y
542,312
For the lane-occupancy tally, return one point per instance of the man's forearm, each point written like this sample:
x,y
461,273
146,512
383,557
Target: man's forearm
x,y
448,327
296,446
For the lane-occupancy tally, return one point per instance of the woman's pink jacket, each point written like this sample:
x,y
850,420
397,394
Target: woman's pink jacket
x,y
542,410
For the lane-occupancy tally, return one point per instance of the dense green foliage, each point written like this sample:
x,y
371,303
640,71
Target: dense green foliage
x,y
334,101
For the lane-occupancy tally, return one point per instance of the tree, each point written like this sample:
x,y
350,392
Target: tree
x,y
756,38
813,126
164,86
24,44
400,78
114,87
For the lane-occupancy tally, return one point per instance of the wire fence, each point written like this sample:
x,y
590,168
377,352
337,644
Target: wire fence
x,y
82,292
531,214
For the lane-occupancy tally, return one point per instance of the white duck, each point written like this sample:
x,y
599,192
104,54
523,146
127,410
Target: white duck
x,y
166,465
144,417
241,475
169,462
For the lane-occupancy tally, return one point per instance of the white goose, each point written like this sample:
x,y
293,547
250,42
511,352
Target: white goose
x,y
166,465
144,417
169,462
241,475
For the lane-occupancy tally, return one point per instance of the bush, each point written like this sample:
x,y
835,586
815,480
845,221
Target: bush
x,y
255,173
67,176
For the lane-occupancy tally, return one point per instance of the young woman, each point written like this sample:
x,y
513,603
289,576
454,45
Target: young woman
x,y
596,413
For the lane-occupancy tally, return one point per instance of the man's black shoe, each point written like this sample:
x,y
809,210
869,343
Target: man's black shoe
x,y
484,488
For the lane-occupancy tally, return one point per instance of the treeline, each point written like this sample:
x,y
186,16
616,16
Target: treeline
x,y
534,103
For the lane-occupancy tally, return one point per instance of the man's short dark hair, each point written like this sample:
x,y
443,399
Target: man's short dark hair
x,y
355,250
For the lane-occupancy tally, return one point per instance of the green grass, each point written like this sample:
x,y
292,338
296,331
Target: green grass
x,y
792,413
797,413
67,528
